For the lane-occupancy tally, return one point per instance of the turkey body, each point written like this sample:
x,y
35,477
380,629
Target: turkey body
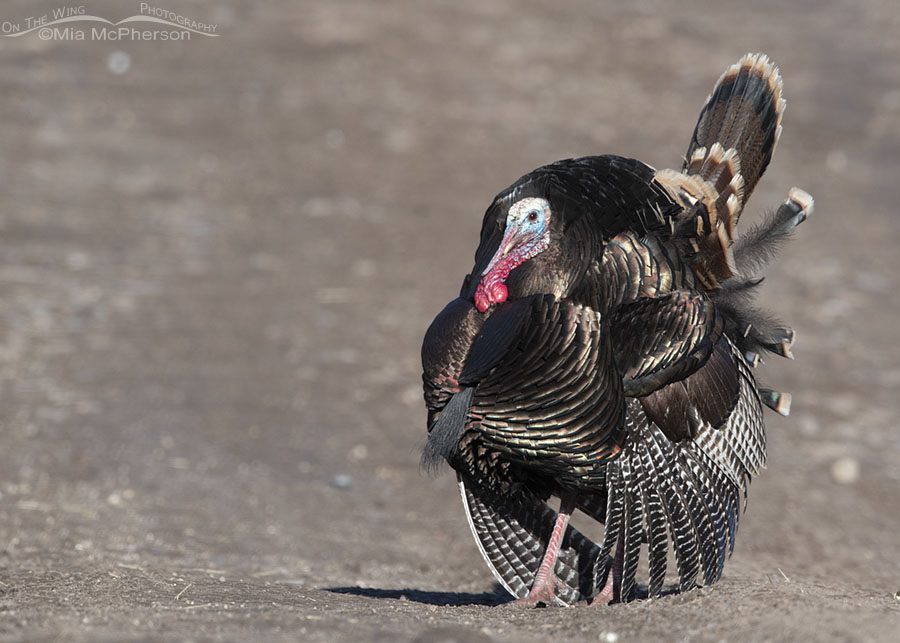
x,y
602,351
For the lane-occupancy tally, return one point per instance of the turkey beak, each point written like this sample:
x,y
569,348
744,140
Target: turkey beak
x,y
511,239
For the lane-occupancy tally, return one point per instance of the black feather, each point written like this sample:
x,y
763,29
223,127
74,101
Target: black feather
x,y
445,433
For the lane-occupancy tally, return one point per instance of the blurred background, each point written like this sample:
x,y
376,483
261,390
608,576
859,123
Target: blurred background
x,y
218,258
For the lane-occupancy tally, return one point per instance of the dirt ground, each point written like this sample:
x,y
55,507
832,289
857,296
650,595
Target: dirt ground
x,y
219,258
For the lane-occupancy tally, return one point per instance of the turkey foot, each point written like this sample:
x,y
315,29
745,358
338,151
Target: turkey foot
x,y
546,582
608,593
604,597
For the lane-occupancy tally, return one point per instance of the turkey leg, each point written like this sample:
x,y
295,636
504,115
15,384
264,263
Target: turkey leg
x,y
543,590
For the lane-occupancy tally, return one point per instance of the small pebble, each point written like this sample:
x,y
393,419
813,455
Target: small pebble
x,y
342,481
609,637
118,62
845,470
358,453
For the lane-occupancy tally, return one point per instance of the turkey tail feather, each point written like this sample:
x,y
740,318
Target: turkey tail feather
x,y
755,330
758,246
730,149
743,113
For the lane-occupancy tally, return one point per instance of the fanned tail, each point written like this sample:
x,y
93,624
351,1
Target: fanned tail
x,y
743,113
730,149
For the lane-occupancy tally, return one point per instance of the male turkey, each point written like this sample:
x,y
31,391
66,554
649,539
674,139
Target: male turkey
x,y
601,351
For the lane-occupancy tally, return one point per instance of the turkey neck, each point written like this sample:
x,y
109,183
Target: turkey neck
x,y
561,267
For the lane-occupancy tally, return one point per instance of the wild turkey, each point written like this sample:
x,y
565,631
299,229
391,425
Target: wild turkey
x,y
601,351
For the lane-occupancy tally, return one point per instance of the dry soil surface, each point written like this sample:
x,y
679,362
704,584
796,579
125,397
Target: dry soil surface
x,y
219,257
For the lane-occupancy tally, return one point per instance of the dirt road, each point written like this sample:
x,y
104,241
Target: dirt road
x,y
219,257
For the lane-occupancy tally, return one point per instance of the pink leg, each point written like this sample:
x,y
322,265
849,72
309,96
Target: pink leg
x,y
543,590
613,587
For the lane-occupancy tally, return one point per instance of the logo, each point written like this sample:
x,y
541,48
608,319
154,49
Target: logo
x,y
75,23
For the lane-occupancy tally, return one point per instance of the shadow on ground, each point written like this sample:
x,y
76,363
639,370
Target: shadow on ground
x,y
497,597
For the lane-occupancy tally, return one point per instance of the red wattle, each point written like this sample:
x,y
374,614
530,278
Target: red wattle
x,y
489,291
